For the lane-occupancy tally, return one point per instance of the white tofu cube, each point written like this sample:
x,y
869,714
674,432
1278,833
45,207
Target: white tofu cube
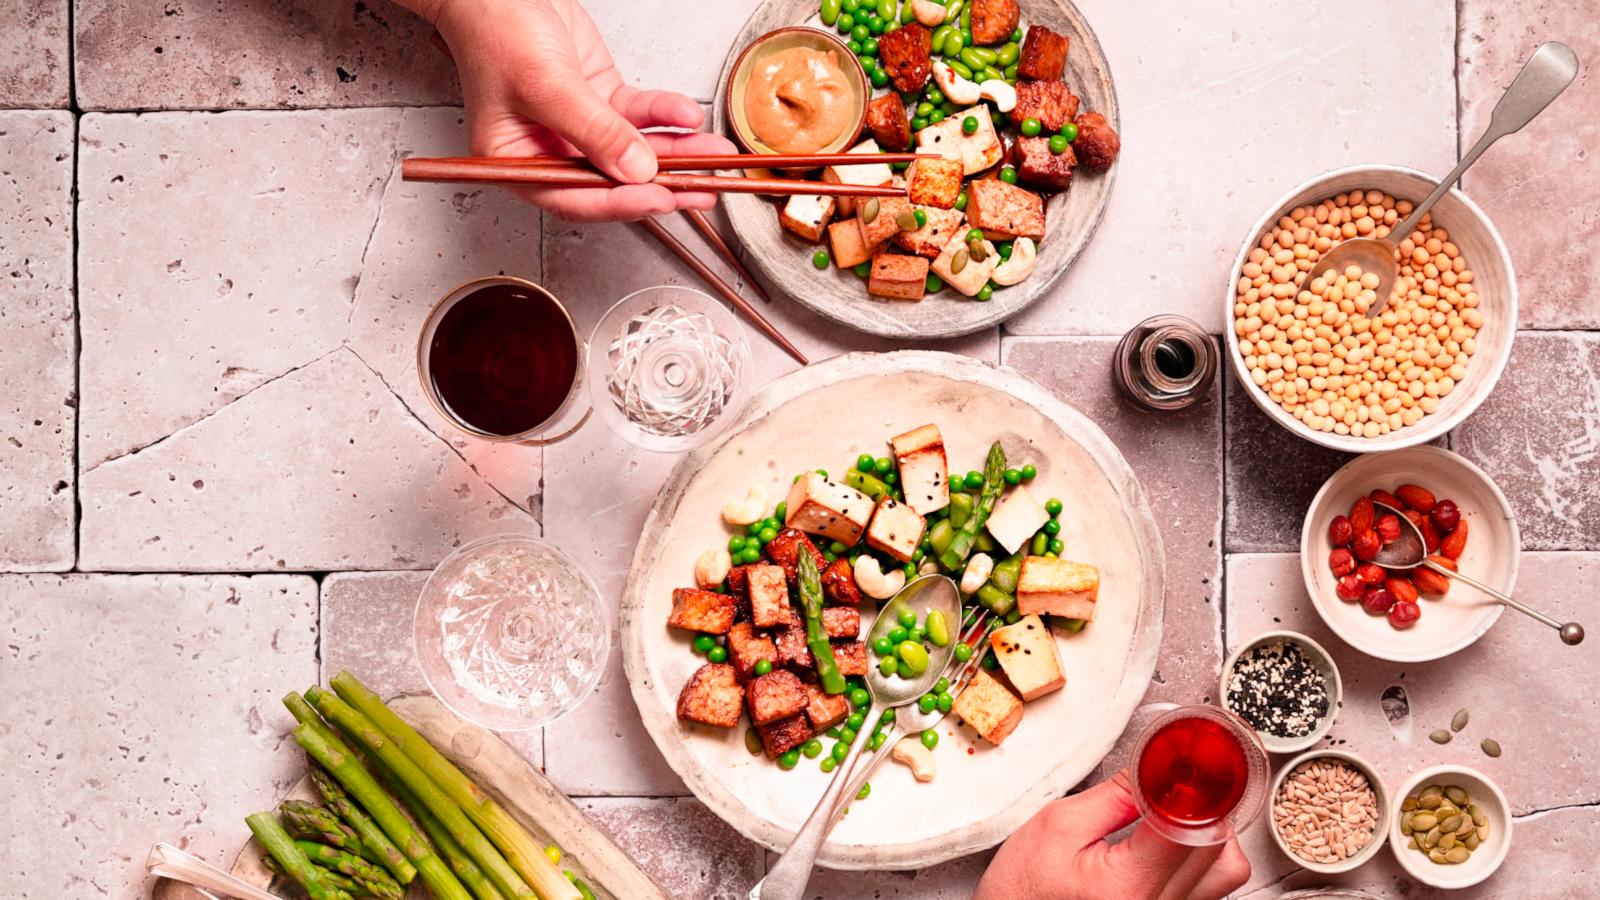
x,y
1058,587
896,529
818,505
989,707
924,469
807,215
869,174
1027,653
1016,520
976,151
974,275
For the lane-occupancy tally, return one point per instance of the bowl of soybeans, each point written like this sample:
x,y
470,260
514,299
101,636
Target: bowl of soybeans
x,y
1313,361
1457,796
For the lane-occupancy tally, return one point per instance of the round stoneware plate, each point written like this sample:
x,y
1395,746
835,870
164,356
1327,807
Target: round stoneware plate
x,y
825,416
784,260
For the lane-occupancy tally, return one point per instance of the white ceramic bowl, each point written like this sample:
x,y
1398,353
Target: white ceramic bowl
x,y
1448,623
1320,658
1484,860
1379,795
1496,283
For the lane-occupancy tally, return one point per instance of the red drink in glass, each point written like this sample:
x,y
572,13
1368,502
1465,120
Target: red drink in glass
x,y
1193,772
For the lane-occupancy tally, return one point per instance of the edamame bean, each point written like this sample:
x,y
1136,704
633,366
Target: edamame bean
x,y
1041,543
995,600
907,14
985,543
960,68
1075,625
918,123
990,73
952,12
886,9
830,11
1014,617
1007,55
941,534
752,741
924,109
914,656
1010,72
960,509
939,34
966,22
984,55
952,44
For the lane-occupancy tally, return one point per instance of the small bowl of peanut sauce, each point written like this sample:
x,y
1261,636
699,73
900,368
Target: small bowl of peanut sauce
x,y
797,90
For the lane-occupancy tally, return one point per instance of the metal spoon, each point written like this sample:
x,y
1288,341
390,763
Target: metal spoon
x,y
1409,551
788,877
1543,77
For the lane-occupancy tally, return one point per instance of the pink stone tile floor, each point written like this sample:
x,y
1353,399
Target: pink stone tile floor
x,y
222,481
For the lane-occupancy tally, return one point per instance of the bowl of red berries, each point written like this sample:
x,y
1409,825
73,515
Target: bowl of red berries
x,y
1354,526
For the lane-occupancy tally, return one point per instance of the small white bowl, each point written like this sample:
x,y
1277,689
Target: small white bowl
x,y
1451,622
1320,658
1380,797
1493,276
1489,855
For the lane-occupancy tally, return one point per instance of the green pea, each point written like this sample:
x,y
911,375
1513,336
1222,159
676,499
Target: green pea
x,y
924,109
847,736
1030,127
870,46
1058,144
930,739
933,95
937,117
883,465
736,543
750,555
1016,36
947,702
917,635
959,67
898,634
914,656
975,234
886,718
878,740
1000,119
1052,528
879,77
856,720
949,108
963,651
828,764
860,33
1070,131
883,646
789,759
961,201
907,618
837,548
833,732
1008,174
1074,625
718,654
751,530
934,284
866,788
919,122
1007,55
1057,546
984,293
766,536
876,25
859,697
969,125
703,643
830,11
888,666
1014,617
974,479
811,749
846,22
781,511
927,702
1030,472
862,270
1013,477
868,64
941,686
920,216
850,6
1005,248
1053,506
763,667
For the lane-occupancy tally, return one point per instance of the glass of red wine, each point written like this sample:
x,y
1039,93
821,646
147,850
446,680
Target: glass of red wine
x,y
1199,775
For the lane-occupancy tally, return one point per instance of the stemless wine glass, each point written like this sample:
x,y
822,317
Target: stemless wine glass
x,y
1184,776
668,368
511,633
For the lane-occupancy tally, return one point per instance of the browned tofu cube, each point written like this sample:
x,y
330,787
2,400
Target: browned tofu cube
x,y
848,247
851,657
839,583
989,707
792,650
1044,55
738,582
842,622
807,215
1097,145
994,20
896,277
1048,101
935,233
784,735
746,648
906,54
769,597
785,550
885,224
775,695
888,122
934,182
825,710
1039,166
696,610
712,696
1004,211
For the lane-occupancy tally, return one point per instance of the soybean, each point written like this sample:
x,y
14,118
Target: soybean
x,y
830,11
938,629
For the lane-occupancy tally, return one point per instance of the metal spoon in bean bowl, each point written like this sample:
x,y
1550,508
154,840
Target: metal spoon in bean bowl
x,y
1409,551
922,596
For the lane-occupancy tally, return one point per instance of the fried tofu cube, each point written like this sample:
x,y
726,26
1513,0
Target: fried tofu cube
x,y
1097,145
851,657
738,582
784,550
848,247
870,174
885,224
769,597
820,505
1041,167
924,469
994,20
935,233
1043,56
746,648
793,653
825,710
842,622
974,275
839,583
888,122
775,695
976,151
1027,653
784,735
896,528
712,696
1016,520
1004,211
807,215
907,56
897,277
1058,587
694,609
934,182
1048,101
989,707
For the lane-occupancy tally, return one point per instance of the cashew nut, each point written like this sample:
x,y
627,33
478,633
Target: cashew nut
x,y
876,583
928,12
930,566
909,750
977,573
712,568
956,89
750,509
1003,95
1019,266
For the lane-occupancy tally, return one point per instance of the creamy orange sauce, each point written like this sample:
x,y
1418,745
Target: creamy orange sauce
x,y
798,100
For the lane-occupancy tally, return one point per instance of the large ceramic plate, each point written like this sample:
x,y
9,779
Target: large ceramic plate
x,y
784,260
825,416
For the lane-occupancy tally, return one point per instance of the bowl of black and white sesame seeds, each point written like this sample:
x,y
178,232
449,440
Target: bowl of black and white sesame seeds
x,y
1285,686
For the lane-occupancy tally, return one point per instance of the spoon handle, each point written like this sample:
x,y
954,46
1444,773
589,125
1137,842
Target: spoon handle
x,y
1503,598
1543,77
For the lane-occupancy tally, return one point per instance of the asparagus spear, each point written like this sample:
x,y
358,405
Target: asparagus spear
x,y
377,845
342,882
313,823
290,858
369,877
994,473
519,847
460,863
817,636
435,800
342,764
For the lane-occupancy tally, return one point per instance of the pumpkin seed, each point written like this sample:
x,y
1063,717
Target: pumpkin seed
x,y
1429,801
1405,823
958,262
907,221
1472,842
870,210
1432,790
1483,832
1459,720
1451,824
1409,804
1466,827
1414,845
1439,736
1456,795
752,741
1437,856
979,254
1491,747
1431,839
1447,840
1457,855
1476,812
1423,821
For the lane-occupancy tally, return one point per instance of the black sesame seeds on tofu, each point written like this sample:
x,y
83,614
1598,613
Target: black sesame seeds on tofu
x,y
1278,689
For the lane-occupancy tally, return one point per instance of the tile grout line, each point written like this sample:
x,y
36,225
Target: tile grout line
x,y
1222,530
77,311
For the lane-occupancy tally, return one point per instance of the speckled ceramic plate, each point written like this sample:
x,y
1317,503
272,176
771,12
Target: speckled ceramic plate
x,y
825,416
784,260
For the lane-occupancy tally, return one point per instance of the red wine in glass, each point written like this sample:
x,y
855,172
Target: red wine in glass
x,y
1193,772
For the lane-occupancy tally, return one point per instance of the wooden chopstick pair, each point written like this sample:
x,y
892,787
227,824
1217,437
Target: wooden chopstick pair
x,y
563,172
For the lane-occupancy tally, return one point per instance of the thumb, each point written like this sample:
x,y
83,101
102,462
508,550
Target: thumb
x,y
1105,808
572,109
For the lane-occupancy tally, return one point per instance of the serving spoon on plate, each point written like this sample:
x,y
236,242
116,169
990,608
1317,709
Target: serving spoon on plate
x,y
788,877
1409,551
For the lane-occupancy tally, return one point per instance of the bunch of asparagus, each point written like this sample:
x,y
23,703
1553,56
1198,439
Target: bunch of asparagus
x,y
395,809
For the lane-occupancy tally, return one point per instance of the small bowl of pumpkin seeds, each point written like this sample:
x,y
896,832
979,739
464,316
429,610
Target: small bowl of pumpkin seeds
x,y
1451,827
